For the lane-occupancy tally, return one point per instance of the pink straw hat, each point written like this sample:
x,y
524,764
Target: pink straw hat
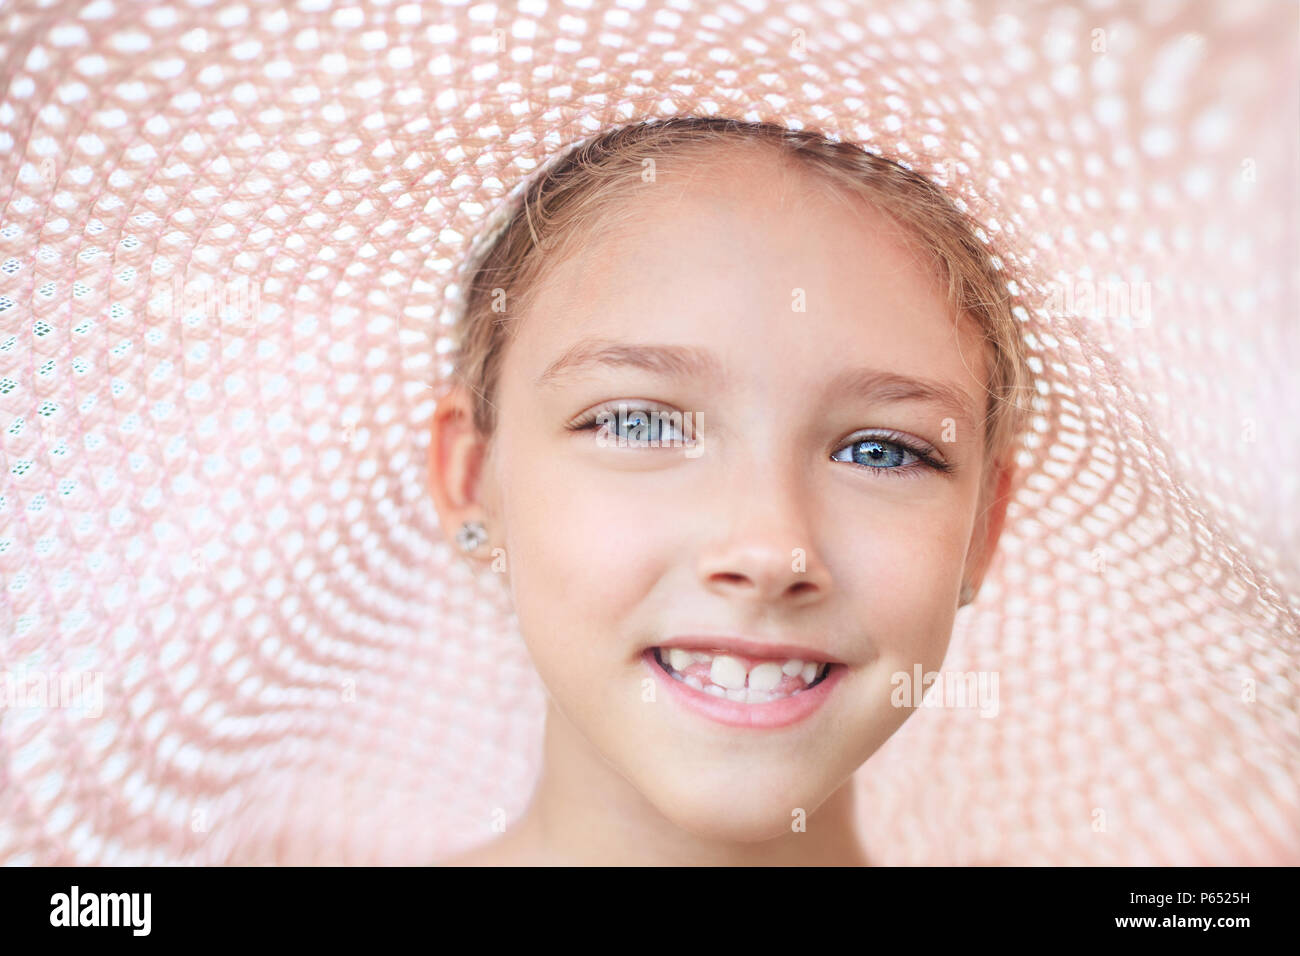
x,y
231,240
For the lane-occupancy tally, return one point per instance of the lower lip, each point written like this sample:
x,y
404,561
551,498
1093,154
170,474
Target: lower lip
x,y
765,716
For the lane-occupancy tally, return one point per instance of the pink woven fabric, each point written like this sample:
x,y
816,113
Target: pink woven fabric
x,y
230,238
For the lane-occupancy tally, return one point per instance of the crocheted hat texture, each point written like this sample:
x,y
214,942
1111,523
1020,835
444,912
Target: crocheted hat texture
x,y
232,243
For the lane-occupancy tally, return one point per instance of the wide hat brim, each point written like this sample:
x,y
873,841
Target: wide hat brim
x,y
232,242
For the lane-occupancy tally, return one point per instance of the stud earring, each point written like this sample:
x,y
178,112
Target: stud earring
x,y
967,595
471,536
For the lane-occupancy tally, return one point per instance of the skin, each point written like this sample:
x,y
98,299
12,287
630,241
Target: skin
x,y
611,550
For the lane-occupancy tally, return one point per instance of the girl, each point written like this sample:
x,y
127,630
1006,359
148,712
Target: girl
x,y
735,410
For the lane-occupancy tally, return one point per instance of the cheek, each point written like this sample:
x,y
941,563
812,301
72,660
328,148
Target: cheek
x,y
902,575
583,548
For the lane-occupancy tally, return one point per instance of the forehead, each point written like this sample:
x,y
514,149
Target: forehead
x,y
758,260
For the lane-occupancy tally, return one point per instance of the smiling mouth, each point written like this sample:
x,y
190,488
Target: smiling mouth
x,y
736,679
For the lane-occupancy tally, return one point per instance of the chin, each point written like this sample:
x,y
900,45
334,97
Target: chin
x,y
745,813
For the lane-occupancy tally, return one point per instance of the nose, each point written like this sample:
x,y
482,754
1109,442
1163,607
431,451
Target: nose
x,y
766,553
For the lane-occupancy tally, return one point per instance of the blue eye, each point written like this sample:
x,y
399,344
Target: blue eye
x,y
643,425
636,424
885,455
877,453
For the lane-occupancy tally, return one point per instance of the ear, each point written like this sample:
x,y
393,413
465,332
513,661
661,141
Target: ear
x,y
995,495
456,465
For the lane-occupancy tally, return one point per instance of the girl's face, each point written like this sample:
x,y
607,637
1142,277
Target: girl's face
x,y
824,374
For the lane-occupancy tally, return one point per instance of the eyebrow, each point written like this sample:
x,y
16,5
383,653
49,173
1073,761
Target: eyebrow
x,y
877,386
670,361
682,362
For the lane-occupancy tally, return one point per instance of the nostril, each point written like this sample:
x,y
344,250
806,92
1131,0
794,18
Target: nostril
x,y
735,579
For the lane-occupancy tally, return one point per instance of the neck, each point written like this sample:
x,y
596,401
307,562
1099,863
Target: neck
x,y
583,813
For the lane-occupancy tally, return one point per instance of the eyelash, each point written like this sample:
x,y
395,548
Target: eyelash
x,y
587,421
924,453
925,457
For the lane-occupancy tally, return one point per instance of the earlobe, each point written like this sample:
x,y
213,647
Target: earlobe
x,y
995,498
456,454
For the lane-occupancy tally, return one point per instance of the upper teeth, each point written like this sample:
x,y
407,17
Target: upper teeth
x,y
732,673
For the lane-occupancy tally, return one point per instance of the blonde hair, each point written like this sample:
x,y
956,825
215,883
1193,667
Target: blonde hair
x,y
573,195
